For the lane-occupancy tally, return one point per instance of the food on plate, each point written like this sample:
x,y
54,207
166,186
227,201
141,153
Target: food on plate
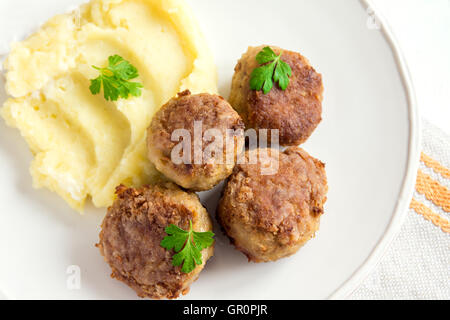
x,y
135,229
83,145
194,140
269,217
272,69
188,245
287,98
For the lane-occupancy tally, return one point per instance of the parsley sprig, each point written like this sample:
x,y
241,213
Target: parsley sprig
x,y
115,80
188,245
272,69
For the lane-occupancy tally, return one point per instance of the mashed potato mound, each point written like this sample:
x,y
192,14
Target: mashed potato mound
x,y
83,145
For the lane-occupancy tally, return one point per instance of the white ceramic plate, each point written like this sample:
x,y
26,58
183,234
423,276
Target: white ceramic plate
x,y
369,139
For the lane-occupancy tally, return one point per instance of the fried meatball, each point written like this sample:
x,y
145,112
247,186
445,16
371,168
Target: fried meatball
x,y
295,112
212,151
269,217
133,230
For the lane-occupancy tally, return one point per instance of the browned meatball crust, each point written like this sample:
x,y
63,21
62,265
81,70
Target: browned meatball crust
x,y
181,113
133,230
295,112
269,217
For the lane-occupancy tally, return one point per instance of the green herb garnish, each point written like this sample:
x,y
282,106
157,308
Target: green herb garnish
x,y
115,80
272,69
188,245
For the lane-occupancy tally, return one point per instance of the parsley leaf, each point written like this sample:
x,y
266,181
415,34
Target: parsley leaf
x,y
188,245
115,80
272,69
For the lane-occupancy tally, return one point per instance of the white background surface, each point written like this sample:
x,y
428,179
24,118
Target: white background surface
x,y
422,28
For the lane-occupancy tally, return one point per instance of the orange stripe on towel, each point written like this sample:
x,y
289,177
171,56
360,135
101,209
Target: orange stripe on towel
x,y
433,191
436,166
428,214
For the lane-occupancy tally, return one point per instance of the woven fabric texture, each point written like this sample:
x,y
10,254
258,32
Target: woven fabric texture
x,y
417,264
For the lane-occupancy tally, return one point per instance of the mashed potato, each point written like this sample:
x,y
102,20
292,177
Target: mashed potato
x,y
83,145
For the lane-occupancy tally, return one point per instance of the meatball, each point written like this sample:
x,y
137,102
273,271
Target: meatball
x,y
295,112
269,217
133,230
215,140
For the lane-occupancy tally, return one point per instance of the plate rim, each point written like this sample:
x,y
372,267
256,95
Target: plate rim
x,y
406,192
414,148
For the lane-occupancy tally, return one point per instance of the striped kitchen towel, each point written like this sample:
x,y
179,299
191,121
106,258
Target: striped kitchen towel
x,y
417,264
